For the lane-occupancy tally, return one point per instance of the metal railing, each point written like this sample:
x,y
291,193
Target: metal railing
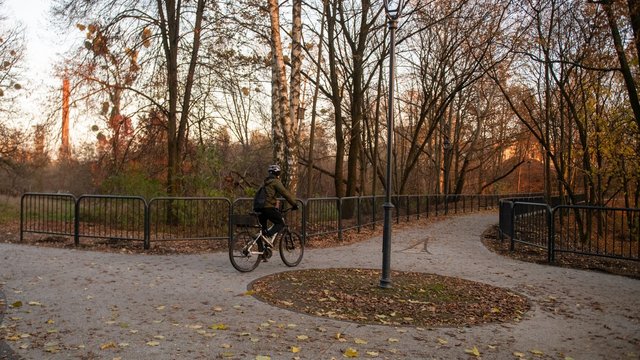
x,y
132,218
576,229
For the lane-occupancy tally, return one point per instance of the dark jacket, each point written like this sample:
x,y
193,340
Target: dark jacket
x,y
274,187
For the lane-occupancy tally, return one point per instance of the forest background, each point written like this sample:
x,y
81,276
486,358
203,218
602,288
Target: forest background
x,y
196,98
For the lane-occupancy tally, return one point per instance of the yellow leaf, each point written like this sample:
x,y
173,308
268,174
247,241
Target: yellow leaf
x,y
249,292
360,341
108,345
495,310
225,346
518,354
373,353
263,357
219,327
442,341
161,307
392,340
153,343
16,304
338,336
475,352
350,353
536,352
50,321
302,337
34,303
295,349
13,338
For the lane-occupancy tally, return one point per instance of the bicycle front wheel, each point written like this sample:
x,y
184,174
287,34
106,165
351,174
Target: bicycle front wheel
x,y
291,248
243,252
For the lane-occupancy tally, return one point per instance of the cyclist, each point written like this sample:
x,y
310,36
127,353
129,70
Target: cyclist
x,y
270,212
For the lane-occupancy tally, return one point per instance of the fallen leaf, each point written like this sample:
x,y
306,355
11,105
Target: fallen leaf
x,y
108,345
153,343
360,341
536,352
350,353
295,349
475,352
302,337
392,340
219,327
16,304
373,353
442,341
34,303
263,357
518,354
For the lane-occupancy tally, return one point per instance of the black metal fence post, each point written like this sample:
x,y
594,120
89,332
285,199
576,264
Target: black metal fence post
x,y
76,222
551,229
512,235
339,204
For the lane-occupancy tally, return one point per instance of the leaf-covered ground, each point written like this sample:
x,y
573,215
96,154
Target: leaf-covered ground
x,y
415,299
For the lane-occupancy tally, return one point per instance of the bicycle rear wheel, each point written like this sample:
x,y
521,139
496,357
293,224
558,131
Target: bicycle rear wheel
x,y
291,248
243,252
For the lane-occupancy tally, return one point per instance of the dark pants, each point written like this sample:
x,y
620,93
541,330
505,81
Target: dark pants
x,y
273,215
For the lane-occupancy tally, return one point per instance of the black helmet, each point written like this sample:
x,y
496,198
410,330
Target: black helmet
x,y
274,169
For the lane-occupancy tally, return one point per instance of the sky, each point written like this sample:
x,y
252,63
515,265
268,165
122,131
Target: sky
x,y
44,48
43,45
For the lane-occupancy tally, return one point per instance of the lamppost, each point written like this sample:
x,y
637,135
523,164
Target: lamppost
x,y
393,8
447,163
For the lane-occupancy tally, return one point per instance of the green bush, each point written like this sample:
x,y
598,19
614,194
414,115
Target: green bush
x,y
133,183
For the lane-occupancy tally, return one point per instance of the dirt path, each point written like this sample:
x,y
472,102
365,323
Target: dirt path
x,y
85,305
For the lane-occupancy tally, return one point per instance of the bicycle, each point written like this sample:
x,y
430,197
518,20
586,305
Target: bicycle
x,y
247,250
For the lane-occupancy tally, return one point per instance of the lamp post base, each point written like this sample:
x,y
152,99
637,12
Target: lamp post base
x,y
385,280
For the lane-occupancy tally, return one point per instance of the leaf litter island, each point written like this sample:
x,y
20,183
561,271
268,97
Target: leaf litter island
x,y
415,299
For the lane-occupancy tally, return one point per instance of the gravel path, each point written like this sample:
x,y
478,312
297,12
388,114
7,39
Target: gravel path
x,y
92,305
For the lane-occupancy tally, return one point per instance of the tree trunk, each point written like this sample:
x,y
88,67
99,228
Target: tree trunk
x,y
336,98
292,129
314,106
630,84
